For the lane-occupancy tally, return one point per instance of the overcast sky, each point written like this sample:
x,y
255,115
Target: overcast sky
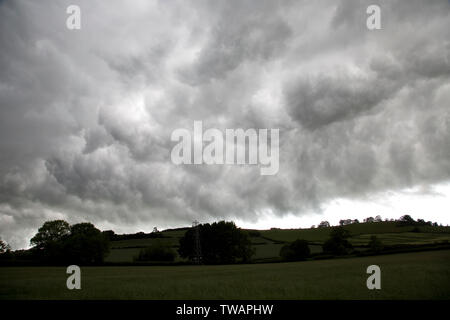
x,y
86,115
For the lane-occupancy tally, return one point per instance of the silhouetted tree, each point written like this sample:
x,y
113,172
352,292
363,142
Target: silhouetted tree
x,y
337,243
58,242
345,222
4,247
49,240
85,244
297,250
5,251
375,245
50,233
221,242
407,220
324,224
422,222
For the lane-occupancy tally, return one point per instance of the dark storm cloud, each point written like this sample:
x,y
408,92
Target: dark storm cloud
x,y
86,116
237,35
320,101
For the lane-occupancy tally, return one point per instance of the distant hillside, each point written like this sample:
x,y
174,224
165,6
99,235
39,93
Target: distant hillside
x,y
267,243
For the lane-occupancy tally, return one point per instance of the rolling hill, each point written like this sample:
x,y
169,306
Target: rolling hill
x,y
267,243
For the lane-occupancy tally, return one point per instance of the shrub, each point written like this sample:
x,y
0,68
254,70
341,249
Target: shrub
x,y
375,245
337,243
297,250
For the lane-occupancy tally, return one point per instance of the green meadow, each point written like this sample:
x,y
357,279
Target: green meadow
x,y
418,275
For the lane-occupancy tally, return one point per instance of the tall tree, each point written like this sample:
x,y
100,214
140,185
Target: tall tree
x,y
58,242
50,232
85,244
221,242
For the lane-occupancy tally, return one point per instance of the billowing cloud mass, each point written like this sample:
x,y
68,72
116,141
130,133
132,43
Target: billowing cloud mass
x,y
86,115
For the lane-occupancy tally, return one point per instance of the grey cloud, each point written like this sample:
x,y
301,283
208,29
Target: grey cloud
x,y
86,116
242,32
320,101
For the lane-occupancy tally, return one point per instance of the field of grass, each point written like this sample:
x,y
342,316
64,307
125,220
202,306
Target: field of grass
x,y
268,244
419,275
402,238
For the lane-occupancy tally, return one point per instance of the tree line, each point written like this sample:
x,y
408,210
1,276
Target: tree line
x,y
405,220
58,242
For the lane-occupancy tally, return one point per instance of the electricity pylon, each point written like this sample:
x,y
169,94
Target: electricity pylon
x,y
197,244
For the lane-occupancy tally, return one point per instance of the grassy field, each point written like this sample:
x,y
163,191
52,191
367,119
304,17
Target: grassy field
x,y
420,275
269,242
376,228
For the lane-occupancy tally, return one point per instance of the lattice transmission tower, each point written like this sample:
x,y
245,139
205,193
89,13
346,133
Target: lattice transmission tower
x,y
197,244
